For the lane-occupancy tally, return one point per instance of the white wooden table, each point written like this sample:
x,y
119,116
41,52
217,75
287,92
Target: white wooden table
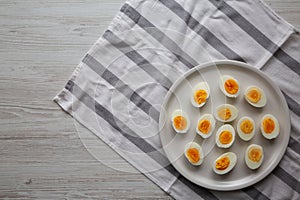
x,y
42,154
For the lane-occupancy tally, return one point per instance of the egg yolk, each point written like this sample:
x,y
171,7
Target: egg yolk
x,y
225,137
200,96
231,86
254,154
246,126
222,163
224,114
193,155
254,95
180,123
204,126
268,125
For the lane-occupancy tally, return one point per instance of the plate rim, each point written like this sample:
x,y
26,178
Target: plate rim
x,y
248,67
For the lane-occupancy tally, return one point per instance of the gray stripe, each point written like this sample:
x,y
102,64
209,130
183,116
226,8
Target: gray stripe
x,y
293,105
159,36
258,36
254,193
201,30
121,86
138,59
203,192
287,60
287,178
130,134
294,144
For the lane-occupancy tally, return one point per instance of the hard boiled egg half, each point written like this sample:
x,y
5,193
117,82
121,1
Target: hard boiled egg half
x,y
225,136
246,128
194,153
206,125
255,96
200,94
226,113
180,121
254,156
229,86
269,126
225,163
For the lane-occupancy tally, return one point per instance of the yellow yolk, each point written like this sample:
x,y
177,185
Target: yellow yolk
x,y
193,155
204,126
224,114
246,126
180,123
222,163
231,86
200,96
254,95
268,125
254,154
225,137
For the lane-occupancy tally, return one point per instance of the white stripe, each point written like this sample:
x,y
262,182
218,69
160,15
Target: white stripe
x,y
275,188
290,163
295,119
286,79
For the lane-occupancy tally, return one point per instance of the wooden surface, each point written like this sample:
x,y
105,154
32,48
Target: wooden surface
x,y
43,152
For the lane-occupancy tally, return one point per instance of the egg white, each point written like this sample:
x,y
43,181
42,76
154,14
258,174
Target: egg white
x,y
250,163
233,109
225,127
222,81
200,86
196,146
179,112
212,121
233,160
263,100
276,130
242,135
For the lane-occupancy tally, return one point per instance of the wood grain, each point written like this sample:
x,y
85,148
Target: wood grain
x,y
42,155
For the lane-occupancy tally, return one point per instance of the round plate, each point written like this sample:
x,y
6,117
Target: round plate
x,y
179,97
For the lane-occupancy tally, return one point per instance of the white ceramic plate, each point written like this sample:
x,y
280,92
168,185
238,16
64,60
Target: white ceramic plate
x,y
179,97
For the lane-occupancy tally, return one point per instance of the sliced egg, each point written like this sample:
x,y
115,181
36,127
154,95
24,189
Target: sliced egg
x,y
225,136
225,163
254,156
226,113
180,121
194,153
246,128
200,94
269,126
229,86
206,125
255,96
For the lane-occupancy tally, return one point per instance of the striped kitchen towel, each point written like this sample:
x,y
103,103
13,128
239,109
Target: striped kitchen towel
x,y
118,88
